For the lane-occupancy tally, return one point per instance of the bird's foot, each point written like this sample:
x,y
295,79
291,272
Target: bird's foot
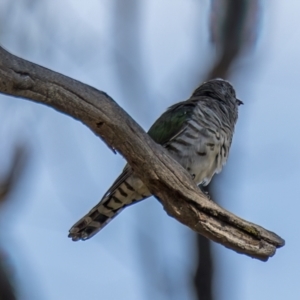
x,y
205,191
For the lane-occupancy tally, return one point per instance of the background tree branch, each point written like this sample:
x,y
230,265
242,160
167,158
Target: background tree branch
x,y
8,184
166,179
233,32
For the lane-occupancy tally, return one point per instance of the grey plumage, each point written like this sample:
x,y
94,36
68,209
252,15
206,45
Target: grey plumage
x,y
196,132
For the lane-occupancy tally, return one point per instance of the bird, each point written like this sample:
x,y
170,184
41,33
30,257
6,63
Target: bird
x,y
197,133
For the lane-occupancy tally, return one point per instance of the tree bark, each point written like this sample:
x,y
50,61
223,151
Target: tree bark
x,y
164,177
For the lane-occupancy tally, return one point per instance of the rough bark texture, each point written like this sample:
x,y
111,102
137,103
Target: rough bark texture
x,y
164,177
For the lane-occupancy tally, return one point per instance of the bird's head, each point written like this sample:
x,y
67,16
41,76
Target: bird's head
x,y
219,89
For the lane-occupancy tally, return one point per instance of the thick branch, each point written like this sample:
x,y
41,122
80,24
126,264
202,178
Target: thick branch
x,y
164,177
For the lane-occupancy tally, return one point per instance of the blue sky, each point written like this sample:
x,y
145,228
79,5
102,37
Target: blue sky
x,y
143,253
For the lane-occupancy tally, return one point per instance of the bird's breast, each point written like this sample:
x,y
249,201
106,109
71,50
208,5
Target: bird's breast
x,y
200,150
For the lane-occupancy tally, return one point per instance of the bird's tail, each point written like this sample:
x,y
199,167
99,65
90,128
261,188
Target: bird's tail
x,y
113,202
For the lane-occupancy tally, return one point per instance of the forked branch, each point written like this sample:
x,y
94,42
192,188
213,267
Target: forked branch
x,y
164,177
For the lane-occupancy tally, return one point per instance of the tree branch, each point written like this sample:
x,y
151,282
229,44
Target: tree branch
x,y
164,177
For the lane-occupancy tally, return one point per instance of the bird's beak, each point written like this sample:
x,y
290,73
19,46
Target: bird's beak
x,y
239,102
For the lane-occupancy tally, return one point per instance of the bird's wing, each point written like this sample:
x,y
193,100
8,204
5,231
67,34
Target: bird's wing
x,y
167,127
172,122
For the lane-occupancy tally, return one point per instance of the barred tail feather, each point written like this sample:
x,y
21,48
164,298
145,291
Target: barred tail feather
x,y
125,193
93,222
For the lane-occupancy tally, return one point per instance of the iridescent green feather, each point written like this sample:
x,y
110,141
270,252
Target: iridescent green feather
x,y
171,122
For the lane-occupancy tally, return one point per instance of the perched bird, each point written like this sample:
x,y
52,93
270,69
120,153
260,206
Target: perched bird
x,y
196,132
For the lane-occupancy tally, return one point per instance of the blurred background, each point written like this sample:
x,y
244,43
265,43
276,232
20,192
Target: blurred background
x,y
148,55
